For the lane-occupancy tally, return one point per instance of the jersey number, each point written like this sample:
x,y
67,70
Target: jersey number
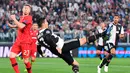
x,y
26,52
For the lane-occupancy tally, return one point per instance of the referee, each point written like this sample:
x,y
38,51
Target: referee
x,y
57,45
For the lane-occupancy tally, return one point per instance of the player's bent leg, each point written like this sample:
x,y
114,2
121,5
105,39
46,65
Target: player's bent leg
x,y
28,65
12,55
66,56
13,61
26,55
75,66
112,53
33,60
98,52
104,61
75,63
82,41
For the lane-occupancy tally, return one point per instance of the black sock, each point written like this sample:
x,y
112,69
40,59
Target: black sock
x,y
109,60
75,68
100,57
103,63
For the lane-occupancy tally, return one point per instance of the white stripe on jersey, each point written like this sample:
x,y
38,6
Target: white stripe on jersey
x,y
122,30
70,40
112,37
100,40
60,42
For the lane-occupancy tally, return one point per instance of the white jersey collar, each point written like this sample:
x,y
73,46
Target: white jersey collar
x,y
41,30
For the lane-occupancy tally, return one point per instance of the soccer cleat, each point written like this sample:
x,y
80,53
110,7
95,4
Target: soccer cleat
x,y
19,58
25,70
98,69
105,68
76,71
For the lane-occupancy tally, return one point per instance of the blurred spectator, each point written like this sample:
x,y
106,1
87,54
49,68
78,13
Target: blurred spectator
x,y
69,15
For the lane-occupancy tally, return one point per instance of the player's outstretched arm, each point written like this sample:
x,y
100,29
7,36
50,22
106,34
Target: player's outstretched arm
x,y
96,36
19,25
39,50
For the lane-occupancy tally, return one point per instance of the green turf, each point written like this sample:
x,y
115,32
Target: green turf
x,y
56,65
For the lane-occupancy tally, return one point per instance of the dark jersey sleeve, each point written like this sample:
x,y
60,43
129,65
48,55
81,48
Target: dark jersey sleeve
x,y
39,50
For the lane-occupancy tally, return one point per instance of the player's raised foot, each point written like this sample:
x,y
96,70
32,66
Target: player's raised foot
x,y
76,71
105,68
98,69
25,70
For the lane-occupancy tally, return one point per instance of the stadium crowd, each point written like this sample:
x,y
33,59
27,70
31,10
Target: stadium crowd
x,y
68,16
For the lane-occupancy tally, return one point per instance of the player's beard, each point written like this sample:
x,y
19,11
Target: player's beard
x,y
115,22
25,13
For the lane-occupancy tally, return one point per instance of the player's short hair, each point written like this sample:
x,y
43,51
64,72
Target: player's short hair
x,y
40,21
35,23
28,5
117,15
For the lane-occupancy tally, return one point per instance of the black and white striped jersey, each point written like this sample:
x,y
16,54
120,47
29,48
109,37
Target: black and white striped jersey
x,y
113,32
55,40
100,40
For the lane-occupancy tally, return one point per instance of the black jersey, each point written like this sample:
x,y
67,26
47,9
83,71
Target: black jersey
x,y
49,40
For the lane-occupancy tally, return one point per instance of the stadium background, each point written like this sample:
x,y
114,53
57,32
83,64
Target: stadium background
x,y
69,19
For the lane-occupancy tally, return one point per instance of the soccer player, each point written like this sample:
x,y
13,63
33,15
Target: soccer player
x,y
57,45
23,40
100,42
34,33
113,32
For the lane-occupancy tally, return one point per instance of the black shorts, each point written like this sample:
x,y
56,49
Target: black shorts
x,y
69,45
108,47
66,55
99,47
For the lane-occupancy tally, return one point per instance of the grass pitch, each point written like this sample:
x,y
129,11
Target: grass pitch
x,y
57,65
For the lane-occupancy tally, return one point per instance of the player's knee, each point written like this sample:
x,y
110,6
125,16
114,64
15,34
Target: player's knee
x,y
113,52
33,59
26,60
12,55
98,52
